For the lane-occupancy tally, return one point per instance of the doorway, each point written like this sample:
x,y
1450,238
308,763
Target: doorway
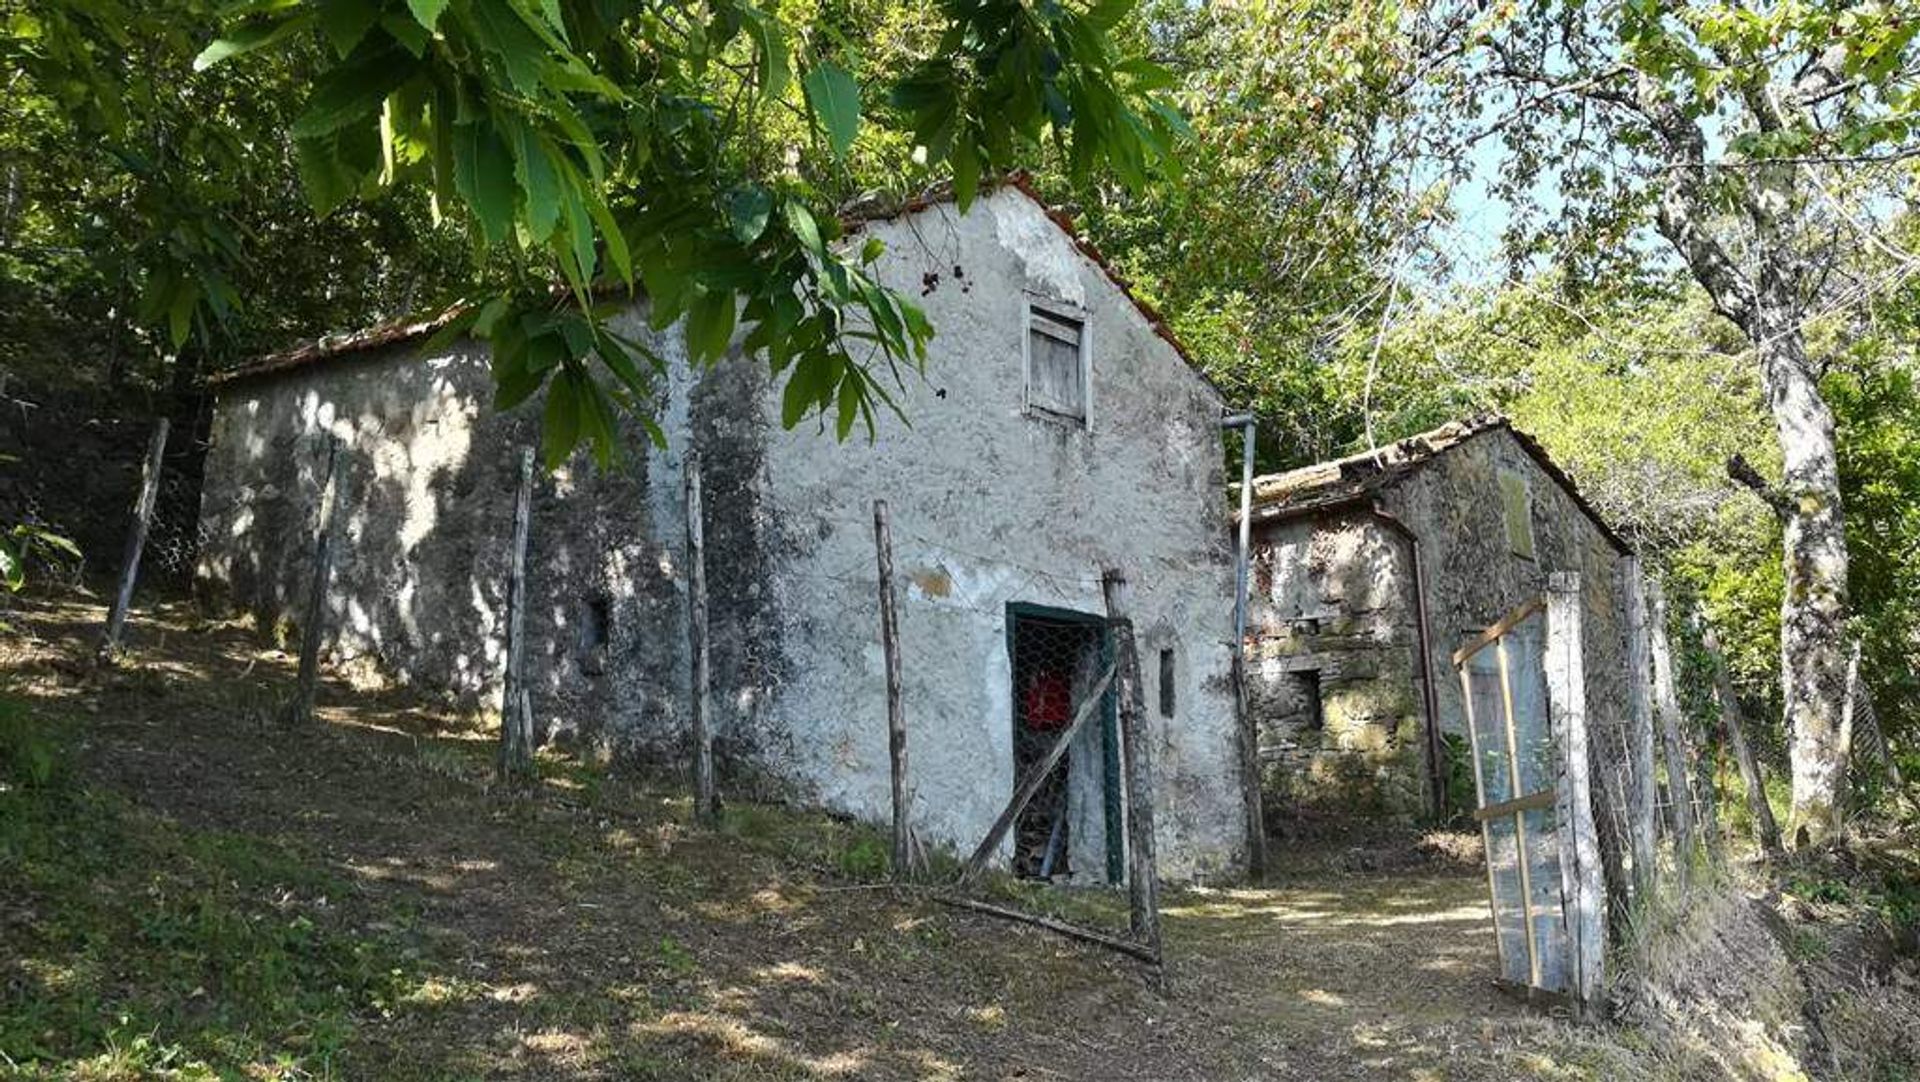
x,y
1072,828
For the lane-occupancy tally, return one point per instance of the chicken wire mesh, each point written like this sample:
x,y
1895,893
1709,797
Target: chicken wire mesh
x,y
1056,664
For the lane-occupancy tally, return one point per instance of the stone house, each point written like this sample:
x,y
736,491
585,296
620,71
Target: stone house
x,y
1058,430
1368,572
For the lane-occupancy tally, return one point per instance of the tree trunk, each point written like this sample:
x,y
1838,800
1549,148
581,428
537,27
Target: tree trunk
x,y
1813,608
1766,304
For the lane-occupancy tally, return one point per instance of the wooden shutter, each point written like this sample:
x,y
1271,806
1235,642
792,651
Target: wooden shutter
x,y
1056,377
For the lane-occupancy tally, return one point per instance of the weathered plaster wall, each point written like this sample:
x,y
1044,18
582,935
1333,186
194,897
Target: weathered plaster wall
x,y
991,506
1333,684
427,477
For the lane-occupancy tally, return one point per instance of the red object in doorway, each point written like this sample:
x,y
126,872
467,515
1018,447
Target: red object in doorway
x,y
1048,703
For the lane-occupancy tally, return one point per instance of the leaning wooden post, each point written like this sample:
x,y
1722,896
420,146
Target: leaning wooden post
x,y
1582,882
1765,827
299,709
1641,797
704,804
1143,887
516,715
1667,702
136,541
896,715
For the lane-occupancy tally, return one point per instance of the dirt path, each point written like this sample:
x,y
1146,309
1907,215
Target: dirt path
x,y
591,931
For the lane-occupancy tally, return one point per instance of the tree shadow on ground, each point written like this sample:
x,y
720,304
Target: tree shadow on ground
x,y
590,929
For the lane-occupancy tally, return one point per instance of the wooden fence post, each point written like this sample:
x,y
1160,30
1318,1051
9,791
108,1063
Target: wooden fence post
x,y
896,714
299,709
516,713
1765,828
1583,884
1673,742
1641,798
1143,887
704,804
136,541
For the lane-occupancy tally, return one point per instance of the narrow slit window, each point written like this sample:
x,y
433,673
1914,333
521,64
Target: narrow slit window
x,y
1314,709
1056,363
1166,683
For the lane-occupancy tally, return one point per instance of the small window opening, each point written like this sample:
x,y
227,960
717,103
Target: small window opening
x,y
1166,683
596,622
1056,363
1316,717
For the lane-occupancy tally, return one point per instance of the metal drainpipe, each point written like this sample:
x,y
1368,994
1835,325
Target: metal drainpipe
x,y
1249,742
1436,761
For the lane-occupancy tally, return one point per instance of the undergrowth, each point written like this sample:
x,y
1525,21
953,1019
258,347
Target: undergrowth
x,y
130,945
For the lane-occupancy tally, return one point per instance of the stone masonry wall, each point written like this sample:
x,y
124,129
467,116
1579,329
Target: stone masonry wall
x,y
1332,674
1333,599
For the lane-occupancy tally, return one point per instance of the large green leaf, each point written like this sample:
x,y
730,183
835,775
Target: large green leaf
x,y
747,211
835,99
800,220
710,325
560,424
539,187
483,174
354,91
346,22
427,12
248,38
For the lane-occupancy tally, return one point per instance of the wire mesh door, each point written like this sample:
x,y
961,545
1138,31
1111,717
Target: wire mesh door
x,y
1071,827
1515,768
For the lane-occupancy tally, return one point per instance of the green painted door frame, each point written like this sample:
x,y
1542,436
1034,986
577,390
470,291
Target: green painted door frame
x,y
1109,719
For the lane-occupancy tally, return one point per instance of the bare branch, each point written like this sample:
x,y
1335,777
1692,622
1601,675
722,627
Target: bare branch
x,y
1743,473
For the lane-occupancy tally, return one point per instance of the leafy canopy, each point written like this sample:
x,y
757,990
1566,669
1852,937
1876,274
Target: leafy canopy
x,y
614,145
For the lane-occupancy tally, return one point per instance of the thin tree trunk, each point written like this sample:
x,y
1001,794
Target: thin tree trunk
x,y
136,541
299,709
1766,830
1765,303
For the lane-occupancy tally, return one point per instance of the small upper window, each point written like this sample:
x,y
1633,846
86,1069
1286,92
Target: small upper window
x,y
1517,508
1056,363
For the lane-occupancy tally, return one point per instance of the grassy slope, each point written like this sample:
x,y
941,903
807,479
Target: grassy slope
x,y
185,888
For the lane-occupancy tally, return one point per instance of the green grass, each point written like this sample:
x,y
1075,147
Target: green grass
x,y
130,945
